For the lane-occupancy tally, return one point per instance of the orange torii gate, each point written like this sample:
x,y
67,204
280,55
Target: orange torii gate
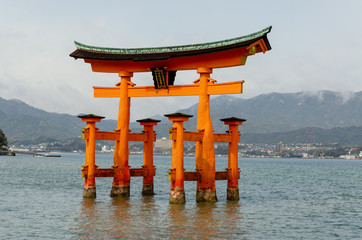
x,y
163,62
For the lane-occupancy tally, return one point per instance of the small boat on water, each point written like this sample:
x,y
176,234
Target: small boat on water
x,y
52,155
45,155
7,153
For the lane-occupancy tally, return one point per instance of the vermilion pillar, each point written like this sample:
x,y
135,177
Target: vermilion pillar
x,y
233,170
205,152
89,180
148,124
121,180
177,191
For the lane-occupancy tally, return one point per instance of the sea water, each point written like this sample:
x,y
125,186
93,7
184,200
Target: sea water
x,y
41,198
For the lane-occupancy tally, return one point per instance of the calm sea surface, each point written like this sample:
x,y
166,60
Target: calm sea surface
x,y
41,198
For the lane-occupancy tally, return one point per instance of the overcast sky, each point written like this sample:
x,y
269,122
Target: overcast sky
x,y
316,45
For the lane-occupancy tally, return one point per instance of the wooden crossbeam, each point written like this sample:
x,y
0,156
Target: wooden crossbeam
x,y
140,172
107,135
195,176
138,137
188,136
173,90
114,136
109,172
222,137
224,175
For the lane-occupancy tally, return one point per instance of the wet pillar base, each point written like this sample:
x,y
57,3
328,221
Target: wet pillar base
x,y
177,196
89,192
120,192
206,195
147,190
233,194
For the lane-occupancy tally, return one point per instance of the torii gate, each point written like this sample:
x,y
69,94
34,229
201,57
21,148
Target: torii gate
x,y
163,62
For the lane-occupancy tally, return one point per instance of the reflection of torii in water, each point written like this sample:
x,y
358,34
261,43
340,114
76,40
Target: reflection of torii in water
x,y
164,62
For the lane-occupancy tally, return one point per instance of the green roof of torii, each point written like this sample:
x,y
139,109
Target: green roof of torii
x,y
174,48
146,54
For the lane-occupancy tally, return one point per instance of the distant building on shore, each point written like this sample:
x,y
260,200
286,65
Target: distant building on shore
x,y
280,147
163,144
347,156
106,149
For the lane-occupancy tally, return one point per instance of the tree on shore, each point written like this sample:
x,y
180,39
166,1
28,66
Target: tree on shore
x,y
3,140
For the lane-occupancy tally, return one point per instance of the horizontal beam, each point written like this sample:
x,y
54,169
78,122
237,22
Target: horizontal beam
x,y
142,137
114,136
196,176
107,136
137,137
222,137
173,90
188,136
192,176
221,175
109,172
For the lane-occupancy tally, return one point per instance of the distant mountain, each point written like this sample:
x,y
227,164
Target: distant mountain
x,y
343,136
267,116
282,112
19,121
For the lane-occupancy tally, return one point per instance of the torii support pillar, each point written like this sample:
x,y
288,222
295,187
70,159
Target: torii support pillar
x,y
205,152
122,178
148,124
177,191
233,170
89,180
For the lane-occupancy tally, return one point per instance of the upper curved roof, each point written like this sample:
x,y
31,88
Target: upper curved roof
x,y
161,53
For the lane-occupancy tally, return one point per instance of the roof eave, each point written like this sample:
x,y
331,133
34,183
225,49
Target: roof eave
x,y
89,52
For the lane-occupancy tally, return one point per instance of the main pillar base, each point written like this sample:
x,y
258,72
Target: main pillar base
x,y
177,196
206,195
123,192
147,190
89,192
233,194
